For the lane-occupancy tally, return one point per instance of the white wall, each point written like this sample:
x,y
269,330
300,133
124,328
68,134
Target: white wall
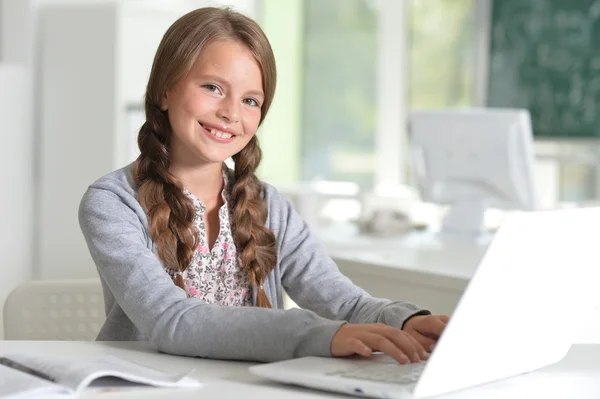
x,y
17,161
142,30
16,178
77,128
15,31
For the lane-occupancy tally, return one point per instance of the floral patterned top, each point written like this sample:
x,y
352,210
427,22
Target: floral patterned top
x,y
216,276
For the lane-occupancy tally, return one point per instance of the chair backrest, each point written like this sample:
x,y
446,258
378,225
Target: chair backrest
x,y
59,310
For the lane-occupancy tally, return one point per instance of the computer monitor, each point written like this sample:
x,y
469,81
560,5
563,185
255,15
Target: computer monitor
x,y
472,160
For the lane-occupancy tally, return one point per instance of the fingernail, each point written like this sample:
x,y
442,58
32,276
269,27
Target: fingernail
x,y
405,358
432,347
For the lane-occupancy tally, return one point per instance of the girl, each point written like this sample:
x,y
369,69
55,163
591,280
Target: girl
x,y
194,256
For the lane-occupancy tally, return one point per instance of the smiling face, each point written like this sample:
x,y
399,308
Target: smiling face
x,y
215,109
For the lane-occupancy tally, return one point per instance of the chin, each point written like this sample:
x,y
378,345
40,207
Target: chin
x,y
215,157
209,152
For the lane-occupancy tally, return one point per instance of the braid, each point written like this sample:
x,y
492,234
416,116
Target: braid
x,y
255,242
170,212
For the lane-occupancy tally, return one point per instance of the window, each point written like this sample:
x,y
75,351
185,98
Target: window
x,y
442,53
341,85
339,90
341,49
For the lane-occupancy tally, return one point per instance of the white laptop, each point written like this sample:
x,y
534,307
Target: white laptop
x,y
518,313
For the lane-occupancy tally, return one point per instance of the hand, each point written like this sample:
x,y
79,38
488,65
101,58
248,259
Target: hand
x,y
364,339
426,330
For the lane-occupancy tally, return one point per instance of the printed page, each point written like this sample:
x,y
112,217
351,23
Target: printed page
x,y
16,384
76,374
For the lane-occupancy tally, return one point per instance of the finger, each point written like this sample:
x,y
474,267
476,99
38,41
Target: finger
x,y
422,348
402,340
378,342
360,347
411,347
431,327
425,341
444,318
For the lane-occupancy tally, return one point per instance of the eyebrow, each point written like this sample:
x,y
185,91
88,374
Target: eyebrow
x,y
258,93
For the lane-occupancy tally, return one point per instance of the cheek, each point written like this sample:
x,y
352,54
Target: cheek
x,y
190,107
195,104
192,102
251,122
178,111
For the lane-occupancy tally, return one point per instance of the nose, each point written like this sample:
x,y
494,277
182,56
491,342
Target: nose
x,y
229,112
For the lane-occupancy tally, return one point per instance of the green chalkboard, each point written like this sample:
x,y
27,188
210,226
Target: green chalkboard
x,y
545,56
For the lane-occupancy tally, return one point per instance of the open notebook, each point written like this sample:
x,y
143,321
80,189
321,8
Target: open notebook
x,y
31,376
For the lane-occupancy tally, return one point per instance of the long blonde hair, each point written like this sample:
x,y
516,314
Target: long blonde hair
x,y
170,212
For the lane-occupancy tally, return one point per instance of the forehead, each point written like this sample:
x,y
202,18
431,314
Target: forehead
x,y
230,61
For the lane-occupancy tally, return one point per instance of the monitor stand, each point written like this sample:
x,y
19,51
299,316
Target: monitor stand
x,y
466,217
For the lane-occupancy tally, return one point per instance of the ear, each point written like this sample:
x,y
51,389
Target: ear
x,y
164,103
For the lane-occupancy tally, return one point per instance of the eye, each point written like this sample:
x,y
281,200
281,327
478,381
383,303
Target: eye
x,y
251,102
212,88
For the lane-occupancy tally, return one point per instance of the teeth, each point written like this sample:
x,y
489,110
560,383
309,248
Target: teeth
x,y
220,134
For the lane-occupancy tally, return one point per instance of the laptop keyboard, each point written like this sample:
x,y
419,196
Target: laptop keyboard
x,y
383,370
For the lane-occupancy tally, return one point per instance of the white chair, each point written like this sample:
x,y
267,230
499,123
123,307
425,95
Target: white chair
x,y
59,310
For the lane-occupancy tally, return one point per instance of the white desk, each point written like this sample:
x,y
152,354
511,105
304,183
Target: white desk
x,y
415,267
577,375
